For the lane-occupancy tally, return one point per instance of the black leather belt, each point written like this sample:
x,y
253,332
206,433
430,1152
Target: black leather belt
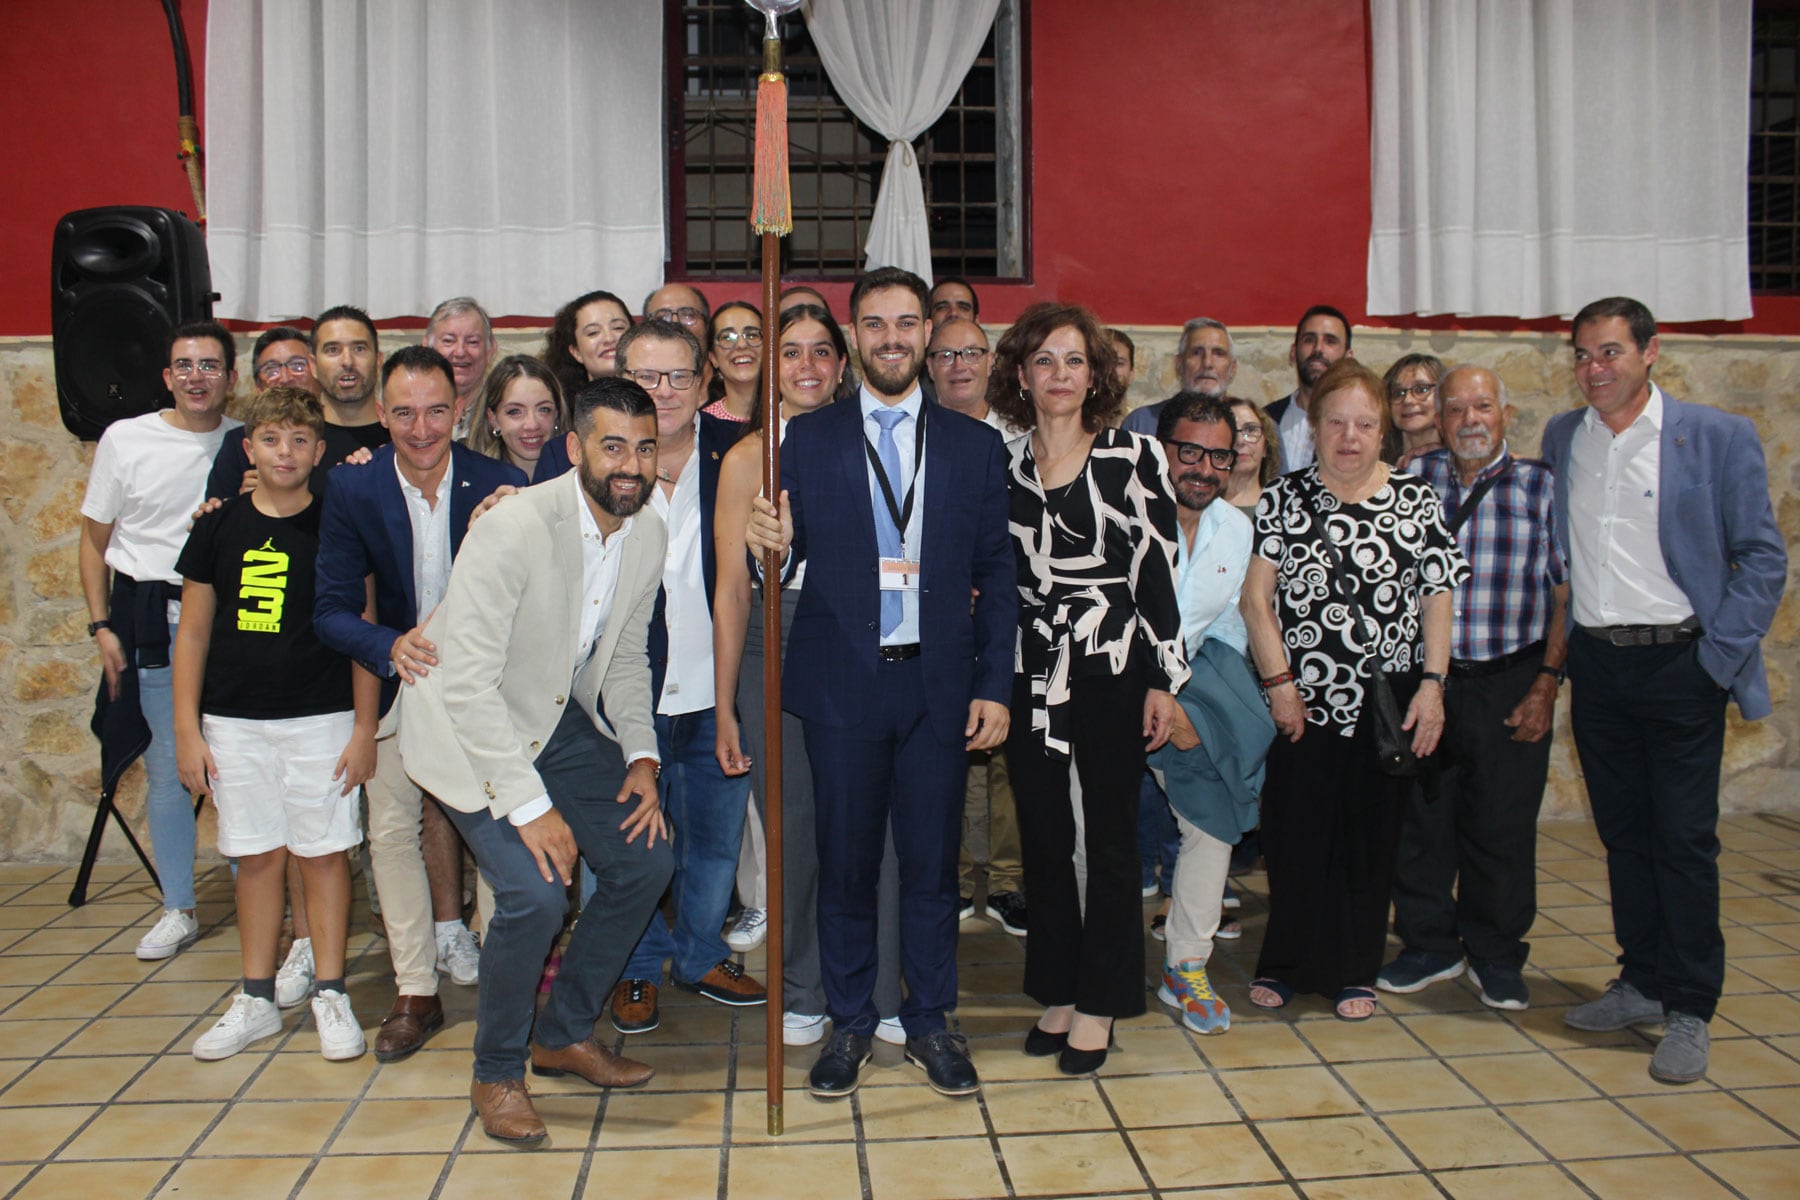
x,y
899,653
1476,668
1644,635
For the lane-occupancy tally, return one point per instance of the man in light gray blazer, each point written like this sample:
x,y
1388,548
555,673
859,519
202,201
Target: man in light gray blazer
x,y
535,732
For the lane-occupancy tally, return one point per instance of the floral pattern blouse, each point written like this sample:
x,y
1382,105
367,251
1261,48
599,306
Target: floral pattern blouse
x,y
1096,575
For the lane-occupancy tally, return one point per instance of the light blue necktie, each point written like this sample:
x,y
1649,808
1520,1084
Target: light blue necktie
x,y
887,534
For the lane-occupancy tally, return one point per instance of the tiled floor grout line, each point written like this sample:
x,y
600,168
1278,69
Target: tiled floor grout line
x,y
993,1137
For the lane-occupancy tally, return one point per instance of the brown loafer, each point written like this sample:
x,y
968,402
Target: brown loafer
x,y
593,1062
634,1006
506,1112
404,1030
727,984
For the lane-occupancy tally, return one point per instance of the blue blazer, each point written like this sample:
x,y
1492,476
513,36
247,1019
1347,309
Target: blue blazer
x,y
715,437
364,530
966,650
1719,539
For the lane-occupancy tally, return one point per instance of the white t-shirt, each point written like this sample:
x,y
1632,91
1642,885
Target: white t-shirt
x,y
147,479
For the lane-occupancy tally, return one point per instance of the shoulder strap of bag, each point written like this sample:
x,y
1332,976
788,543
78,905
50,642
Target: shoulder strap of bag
x,y
1340,577
1466,509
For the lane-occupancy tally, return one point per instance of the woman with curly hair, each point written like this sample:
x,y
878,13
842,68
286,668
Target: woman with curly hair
x,y
582,339
1099,664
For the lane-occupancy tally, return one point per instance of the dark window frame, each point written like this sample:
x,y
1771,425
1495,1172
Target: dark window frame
x,y
686,262
1772,201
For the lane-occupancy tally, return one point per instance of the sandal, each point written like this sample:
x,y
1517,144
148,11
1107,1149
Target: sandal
x,y
1353,995
1274,987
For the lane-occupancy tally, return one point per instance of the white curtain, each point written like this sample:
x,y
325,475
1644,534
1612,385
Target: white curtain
x,y
897,64
395,153
1529,156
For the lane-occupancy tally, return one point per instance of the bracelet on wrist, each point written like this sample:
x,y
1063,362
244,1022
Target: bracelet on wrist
x,y
1275,681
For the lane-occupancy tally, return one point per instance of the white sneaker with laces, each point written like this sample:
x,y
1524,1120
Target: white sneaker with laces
x,y
748,931
459,956
891,1031
801,1029
294,982
174,932
340,1036
249,1019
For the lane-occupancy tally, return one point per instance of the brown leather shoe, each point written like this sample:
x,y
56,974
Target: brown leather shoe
x,y
634,1006
404,1030
506,1112
727,984
593,1062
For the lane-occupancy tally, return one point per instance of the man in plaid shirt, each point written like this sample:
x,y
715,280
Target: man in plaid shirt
x,y
1479,836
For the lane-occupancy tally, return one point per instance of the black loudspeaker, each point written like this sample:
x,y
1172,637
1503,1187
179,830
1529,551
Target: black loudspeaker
x,y
120,279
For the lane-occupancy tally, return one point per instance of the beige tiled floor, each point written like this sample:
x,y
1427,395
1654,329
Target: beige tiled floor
x,y
1437,1096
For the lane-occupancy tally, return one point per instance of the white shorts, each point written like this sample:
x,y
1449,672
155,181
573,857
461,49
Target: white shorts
x,y
274,786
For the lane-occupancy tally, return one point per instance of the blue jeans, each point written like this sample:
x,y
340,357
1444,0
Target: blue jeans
x,y
705,808
1159,841
582,772
167,805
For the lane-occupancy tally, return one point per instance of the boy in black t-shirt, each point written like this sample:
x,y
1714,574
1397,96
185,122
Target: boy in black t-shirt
x,y
276,726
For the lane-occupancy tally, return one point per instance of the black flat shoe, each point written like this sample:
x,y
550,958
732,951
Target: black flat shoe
x,y
1042,1044
1081,1062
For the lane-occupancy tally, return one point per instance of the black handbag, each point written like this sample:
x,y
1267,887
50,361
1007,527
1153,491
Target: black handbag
x,y
1393,745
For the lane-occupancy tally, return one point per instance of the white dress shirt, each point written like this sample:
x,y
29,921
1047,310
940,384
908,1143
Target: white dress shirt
x,y
688,683
430,537
1617,573
600,557
906,434
1296,436
1210,577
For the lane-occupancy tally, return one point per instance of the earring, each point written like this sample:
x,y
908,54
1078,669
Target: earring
x,y
492,432
1025,396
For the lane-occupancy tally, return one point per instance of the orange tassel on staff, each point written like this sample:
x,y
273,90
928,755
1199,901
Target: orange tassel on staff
x,y
772,209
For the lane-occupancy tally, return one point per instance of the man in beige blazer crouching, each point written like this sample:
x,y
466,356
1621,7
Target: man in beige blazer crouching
x,y
535,732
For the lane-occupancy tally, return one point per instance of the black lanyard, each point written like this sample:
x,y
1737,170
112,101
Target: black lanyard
x,y
901,513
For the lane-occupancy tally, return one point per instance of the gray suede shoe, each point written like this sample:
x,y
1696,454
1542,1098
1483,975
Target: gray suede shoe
x,y
1681,1055
1620,1008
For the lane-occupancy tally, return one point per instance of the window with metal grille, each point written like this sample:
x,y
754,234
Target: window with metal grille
x,y
971,159
1774,179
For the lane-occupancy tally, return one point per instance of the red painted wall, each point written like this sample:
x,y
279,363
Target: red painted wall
x,y
1200,157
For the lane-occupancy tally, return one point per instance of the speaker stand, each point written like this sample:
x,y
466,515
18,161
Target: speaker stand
x,y
79,893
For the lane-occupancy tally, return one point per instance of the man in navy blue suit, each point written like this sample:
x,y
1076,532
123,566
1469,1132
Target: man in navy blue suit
x,y
399,519
1676,566
899,510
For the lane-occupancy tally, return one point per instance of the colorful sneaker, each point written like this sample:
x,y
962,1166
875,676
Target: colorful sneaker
x,y
173,932
340,1036
1185,986
249,1019
748,931
294,982
458,956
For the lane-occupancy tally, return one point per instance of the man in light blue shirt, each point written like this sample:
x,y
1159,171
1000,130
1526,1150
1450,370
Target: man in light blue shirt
x,y
1213,770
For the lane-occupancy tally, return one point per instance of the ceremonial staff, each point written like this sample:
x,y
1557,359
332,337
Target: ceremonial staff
x,y
771,215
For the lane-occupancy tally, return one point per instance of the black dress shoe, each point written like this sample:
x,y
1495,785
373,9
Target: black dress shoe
x,y
835,1072
944,1057
1042,1044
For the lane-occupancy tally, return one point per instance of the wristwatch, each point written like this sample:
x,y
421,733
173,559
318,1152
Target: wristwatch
x,y
96,626
1556,673
1436,677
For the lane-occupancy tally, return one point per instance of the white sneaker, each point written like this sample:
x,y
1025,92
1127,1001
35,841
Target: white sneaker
x,y
249,1019
459,956
340,1037
801,1029
891,1031
294,982
748,931
172,934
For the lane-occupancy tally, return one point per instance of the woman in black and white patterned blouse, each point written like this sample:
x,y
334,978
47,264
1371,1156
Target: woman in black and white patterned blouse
x,y
1100,658
1331,818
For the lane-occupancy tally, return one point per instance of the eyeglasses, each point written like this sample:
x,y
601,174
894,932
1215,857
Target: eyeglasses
x,y
731,337
181,368
681,381
273,370
685,316
1249,434
1191,452
1419,390
969,354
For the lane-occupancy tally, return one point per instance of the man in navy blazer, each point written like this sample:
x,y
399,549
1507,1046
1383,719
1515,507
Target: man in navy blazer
x,y
398,520
1676,568
900,661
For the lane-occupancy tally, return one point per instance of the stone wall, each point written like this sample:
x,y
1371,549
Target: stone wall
x,y
49,776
